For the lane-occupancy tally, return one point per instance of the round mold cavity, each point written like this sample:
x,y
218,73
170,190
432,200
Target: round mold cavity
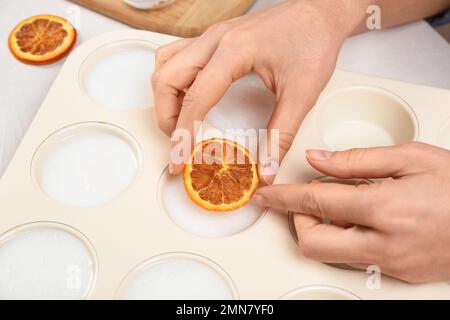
x,y
444,135
361,117
87,164
177,276
46,260
118,75
198,221
326,179
319,292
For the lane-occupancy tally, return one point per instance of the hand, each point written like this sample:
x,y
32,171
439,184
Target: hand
x,y
400,224
293,46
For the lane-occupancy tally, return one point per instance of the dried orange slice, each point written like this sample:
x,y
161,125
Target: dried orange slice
x,y
42,39
220,175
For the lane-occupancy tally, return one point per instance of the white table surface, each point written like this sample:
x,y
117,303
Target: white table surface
x,y
413,53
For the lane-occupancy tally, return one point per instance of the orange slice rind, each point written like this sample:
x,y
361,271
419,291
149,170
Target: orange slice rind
x,y
220,175
42,39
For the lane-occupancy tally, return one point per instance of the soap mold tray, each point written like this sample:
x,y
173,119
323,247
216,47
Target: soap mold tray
x,y
262,262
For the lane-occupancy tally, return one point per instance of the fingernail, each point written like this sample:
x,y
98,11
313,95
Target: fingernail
x,y
268,180
319,155
268,171
259,200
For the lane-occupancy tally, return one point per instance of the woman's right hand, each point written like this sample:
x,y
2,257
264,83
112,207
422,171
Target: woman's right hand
x,y
293,46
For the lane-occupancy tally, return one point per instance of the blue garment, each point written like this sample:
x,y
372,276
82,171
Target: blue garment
x,y
440,19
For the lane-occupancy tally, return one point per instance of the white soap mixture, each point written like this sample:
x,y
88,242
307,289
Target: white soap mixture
x,y
45,263
88,169
121,80
177,279
199,221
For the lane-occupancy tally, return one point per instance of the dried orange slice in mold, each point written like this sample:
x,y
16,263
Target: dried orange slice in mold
x,y
220,175
42,39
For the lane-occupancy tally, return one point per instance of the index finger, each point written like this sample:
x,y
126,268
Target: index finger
x,y
209,86
323,200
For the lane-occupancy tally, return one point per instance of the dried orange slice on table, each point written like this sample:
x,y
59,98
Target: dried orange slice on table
x,y
42,39
221,175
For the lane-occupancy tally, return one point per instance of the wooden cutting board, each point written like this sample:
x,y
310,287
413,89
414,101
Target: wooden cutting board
x,y
184,18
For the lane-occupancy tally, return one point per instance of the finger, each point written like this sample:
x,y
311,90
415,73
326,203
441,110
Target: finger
x,y
324,200
164,53
332,244
306,222
381,162
368,267
210,85
290,110
339,223
359,266
178,73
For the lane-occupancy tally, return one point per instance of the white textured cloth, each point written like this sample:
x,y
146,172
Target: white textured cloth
x,y
412,53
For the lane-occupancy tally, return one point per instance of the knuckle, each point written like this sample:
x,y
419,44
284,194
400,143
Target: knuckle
x,y
416,148
191,98
163,124
218,28
285,140
305,248
157,78
353,157
160,53
309,204
376,206
235,38
416,145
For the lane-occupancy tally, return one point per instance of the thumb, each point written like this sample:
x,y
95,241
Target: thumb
x,y
380,162
209,86
290,110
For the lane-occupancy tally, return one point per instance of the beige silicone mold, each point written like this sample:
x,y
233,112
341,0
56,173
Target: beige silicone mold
x,y
263,262
319,292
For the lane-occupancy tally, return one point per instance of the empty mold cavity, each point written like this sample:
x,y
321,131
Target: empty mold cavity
x,y
118,75
177,276
357,117
87,164
198,221
45,261
325,179
444,135
319,293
